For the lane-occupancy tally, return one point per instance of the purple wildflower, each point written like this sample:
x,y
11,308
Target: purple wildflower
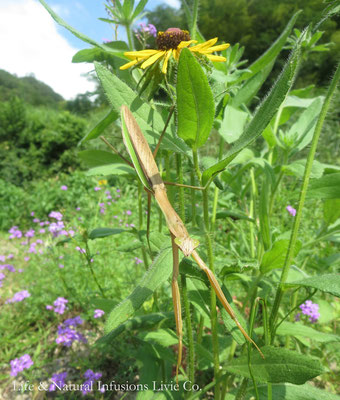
x,y
58,381
128,212
61,265
311,310
82,251
63,187
19,296
67,335
97,188
98,313
26,258
15,232
138,260
90,378
36,220
2,258
19,364
30,233
73,321
291,210
42,230
56,227
10,256
60,305
56,215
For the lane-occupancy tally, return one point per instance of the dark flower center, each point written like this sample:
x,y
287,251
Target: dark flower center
x,y
171,38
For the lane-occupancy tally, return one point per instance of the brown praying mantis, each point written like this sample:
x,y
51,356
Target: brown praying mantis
x,y
144,163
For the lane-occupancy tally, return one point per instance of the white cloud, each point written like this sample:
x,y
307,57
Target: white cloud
x,y
173,3
30,43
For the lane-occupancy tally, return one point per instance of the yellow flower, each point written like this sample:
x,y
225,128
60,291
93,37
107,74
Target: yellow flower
x,y
170,43
102,182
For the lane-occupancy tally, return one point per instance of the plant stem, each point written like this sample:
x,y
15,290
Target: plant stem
x,y
216,191
129,36
194,19
302,197
180,189
188,324
197,168
88,260
193,198
191,353
251,326
213,312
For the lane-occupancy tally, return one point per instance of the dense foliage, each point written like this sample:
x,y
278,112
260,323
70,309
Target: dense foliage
x,y
244,238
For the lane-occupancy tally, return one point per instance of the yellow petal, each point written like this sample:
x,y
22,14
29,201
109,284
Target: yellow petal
x,y
217,48
186,43
165,63
153,59
216,58
141,53
176,54
204,45
128,65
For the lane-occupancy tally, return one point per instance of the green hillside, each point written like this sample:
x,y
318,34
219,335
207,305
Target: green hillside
x,y
29,89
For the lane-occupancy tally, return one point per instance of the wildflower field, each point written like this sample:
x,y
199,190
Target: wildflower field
x,y
181,239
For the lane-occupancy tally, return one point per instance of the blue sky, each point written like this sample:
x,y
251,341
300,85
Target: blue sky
x,y
83,15
32,43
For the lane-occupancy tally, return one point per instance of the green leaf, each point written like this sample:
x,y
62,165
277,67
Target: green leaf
x,y
116,49
270,55
301,132
163,337
327,187
235,215
149,119
104,232
149,321
297,168
279,365
275,257
139,8
195,103
329,283
297,329
157,274
94,158
262,116
79,35
101,126
111,169
250,88
233,123
288,391
331,210
104,304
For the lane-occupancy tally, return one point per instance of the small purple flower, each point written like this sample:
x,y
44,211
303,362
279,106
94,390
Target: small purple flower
x,y
67,335
42,230
90,378
9,267
2,258
10,256
63,187
49,307
98,313
60,305
82,251
311,310
128,212
15,232
138,260
58,381
19,296
61,265
19,364
97,188
291,210
32,214
73,321
56,215
78,209
36,220
30,233
26,258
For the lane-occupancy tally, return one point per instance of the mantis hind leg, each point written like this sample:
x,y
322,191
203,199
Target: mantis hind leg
x,y
223,300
